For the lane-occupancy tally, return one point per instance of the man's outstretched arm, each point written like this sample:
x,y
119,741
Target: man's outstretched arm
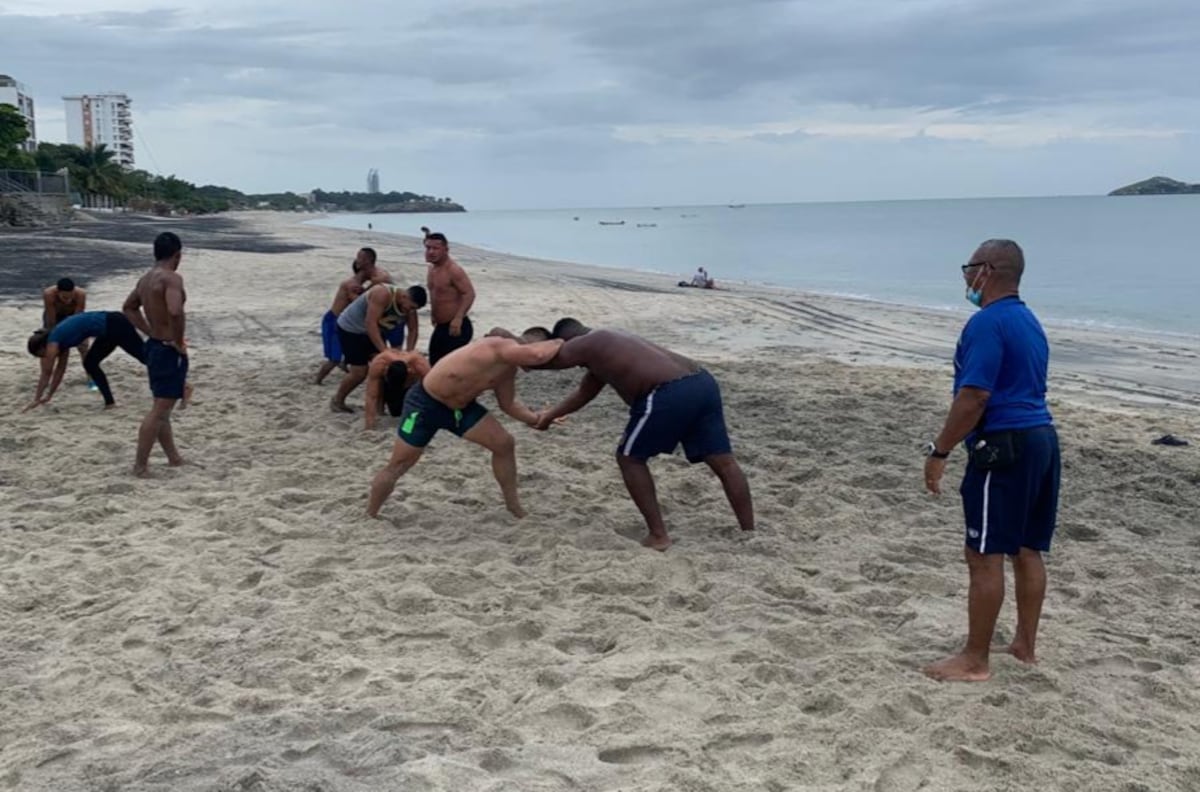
x,y
589,387
506,397
531,355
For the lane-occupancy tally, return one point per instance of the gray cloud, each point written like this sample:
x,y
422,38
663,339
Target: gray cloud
x,y
543,86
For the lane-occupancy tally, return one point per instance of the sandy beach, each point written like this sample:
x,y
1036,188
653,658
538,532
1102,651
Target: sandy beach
x,y
243,626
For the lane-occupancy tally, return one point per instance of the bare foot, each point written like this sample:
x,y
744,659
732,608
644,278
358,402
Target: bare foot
x,y
180,462
1018,651
340,408
516,511
142,472
109,406
659,543
958,668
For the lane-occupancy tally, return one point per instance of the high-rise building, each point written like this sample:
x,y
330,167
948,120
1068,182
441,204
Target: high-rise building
x,y
98,119
17,95
373,181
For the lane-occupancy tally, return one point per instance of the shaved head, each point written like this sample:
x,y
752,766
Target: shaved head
x,y
1005,256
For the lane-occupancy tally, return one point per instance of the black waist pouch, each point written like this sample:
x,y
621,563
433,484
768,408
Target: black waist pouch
x,y
996,450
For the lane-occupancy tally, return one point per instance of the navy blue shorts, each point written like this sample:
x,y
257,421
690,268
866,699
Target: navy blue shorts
x,y
424,415
167,369
687,410
330,344
395,336
1015,506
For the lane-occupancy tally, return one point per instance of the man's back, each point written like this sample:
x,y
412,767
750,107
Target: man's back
x,y
632,365
152,291
467,372
347,292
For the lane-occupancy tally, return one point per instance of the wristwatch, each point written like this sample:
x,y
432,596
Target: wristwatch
x,y
930,450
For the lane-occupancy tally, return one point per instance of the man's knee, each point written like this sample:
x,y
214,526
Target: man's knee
x,y
505,444
1027,556
721,464
982,561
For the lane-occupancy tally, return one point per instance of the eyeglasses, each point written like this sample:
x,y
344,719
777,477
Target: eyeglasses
x,y
973,264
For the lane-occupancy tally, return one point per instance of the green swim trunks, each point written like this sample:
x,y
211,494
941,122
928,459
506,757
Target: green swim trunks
x,y
424,415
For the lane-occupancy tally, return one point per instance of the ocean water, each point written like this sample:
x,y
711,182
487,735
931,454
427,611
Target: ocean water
x,y
1128,262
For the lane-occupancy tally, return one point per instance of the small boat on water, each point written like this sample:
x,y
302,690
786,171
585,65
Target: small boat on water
x,y
647,225
611,222
737,206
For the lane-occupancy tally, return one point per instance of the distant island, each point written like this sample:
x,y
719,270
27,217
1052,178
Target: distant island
x,y
1158,185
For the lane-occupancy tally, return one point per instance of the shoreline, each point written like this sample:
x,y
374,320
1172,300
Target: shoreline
x,y
1098,366
1066,323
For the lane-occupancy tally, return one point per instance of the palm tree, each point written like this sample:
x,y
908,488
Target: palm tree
x,y
93,171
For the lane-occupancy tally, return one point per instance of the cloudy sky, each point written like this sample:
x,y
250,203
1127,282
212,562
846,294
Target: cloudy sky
x,y
561,103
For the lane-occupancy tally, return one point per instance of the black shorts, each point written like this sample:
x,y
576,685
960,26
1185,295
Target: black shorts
x,y
424,415
441,343
357,349
167,369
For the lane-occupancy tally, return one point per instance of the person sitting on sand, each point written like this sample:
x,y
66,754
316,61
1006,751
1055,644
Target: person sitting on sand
x,y
671,400
361,326
446,399
389,376
700,280
109,329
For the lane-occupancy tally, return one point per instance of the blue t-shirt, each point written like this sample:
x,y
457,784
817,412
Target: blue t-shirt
x,y
1003,350
74,330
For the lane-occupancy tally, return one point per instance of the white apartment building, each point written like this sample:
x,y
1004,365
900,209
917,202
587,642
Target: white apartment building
x,y
17,95
102,119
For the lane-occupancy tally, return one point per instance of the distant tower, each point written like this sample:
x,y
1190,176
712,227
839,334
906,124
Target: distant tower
x,y
373,181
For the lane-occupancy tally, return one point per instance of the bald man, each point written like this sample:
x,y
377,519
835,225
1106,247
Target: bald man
x,y
1010,487
672,401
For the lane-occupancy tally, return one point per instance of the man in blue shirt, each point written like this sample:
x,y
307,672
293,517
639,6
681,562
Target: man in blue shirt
x,y
1010,488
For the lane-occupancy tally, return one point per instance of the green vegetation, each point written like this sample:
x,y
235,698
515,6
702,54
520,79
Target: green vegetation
x,y
95,175
13,133
1158,185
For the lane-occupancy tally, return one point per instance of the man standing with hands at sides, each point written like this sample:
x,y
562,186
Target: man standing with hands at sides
x,y
160,294
446,399
451,296
1010,488
671,399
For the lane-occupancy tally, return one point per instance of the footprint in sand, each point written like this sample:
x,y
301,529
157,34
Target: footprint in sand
x,y
351,680
310,578
632,755
510,634
905,774
250,581
570,717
